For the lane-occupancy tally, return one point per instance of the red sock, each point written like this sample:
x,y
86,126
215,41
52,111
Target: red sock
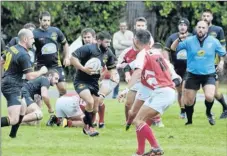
x,y
101,113
69,123
140,139
149,135
149,122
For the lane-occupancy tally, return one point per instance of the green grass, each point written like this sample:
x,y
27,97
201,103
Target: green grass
x,y
200,139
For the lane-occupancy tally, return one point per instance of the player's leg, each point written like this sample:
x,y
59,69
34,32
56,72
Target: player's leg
x,y
34,113
209,91
219,96
61,85
129,101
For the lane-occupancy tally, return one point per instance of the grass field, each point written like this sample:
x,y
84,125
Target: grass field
x,y
200,139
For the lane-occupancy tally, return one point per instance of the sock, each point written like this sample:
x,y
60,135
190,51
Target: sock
x,y
149,135
182,110
208,106
101,113
15,128
69,123
140,139
5,121
189,112
222,102
126,112
88,118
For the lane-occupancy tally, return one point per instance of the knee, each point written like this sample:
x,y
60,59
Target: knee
x,y
39,114
209,98
13,120
189,101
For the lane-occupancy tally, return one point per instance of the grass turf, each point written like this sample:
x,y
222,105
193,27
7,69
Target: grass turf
x,y
199,139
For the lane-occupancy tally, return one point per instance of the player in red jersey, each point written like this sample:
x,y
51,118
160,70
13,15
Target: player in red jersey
x,y
155,75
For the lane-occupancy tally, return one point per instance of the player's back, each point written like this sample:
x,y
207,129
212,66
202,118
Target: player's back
x,y
155,73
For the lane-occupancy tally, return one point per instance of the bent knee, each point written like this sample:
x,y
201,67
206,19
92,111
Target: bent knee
x,y
39,114
14,120
209,98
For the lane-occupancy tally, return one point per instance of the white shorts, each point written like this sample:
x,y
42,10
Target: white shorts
x,y
136,87
143,93
107,83
68,107
161,99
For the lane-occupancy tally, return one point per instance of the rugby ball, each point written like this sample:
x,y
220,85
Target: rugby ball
x,y
94,63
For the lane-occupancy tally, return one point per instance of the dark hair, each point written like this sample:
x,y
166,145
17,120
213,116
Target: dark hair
x,y
44,13
209,11
140,19
103,35
143,36
28,25
88,30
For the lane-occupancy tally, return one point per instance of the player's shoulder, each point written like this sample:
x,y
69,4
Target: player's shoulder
x,y
129,49
174,35
54,28
215,27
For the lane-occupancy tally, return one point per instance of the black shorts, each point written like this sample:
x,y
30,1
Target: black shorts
x,y
82,85
181,72
11,91
28,98
60,72
194,81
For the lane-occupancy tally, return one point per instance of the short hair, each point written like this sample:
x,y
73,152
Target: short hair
x,y
51,72
88,30
209,11
123,21
158,45
23,33
140,19
103,35
143,36
29,25
44,13
203,21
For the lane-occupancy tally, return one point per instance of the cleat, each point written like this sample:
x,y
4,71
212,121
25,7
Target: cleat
x,y
127,127
223,115
182,115
92,132
64,123
158,124
188,123
154,152
210,118
101,125
52,120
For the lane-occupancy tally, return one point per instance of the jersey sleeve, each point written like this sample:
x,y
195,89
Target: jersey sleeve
x,y
25,63
168,43
138,63
82,52
221,37
61,37
220,50
110,64
45,82
182,45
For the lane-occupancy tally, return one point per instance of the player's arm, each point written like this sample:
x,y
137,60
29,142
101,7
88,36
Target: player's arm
x,y
179,41
111,66
222,53
46,99
81,53
26,66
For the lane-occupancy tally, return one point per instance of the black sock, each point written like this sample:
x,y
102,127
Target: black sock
x,y
208,106
88,116
189,112
14,128
4,121
223,103
182,110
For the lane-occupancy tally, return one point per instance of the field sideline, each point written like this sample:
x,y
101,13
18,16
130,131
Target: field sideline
x,y
200,139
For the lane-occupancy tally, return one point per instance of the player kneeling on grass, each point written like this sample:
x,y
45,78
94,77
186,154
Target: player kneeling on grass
x,y
38,86
155,75
68,112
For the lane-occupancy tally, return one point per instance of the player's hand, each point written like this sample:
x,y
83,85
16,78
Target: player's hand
x,y
66,62
127,126
122,95
127,77
183,36
90,71
220,66
43,70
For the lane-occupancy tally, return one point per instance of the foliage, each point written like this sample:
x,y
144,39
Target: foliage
x,y
70,17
